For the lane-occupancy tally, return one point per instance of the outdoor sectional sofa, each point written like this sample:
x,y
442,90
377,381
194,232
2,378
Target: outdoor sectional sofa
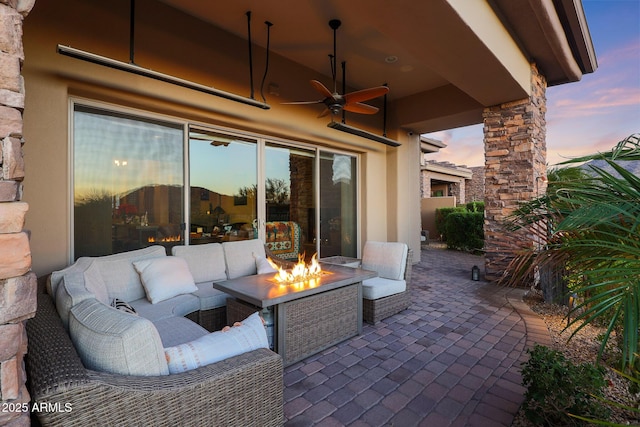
x,y
90,362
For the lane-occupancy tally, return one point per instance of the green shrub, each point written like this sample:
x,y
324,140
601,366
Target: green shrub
x,y
464,230
475,206
556,387
441,216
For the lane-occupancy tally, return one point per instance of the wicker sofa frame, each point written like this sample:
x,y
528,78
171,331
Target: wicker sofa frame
x,y
244,390
374,311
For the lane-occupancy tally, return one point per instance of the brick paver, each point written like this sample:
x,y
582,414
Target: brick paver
x,y
452,359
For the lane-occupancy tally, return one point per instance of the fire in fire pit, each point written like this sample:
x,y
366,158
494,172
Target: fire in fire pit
x,y
300,272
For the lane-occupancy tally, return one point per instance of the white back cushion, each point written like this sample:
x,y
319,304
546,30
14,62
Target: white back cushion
x,y
388,259
239,257
206,262
120,278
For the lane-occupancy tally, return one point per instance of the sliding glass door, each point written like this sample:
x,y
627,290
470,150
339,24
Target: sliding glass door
x,y
338,205
127,182
290,200
130,172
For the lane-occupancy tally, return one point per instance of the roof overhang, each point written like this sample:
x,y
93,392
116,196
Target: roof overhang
x,y
444,60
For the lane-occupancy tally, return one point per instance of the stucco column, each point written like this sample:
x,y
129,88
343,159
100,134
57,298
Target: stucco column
x,y
17,284
515,165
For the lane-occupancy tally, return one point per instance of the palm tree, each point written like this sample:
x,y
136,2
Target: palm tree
x,y
590,226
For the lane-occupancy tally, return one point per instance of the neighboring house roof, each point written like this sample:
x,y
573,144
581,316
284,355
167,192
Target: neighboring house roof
x,y
444,61
430,145
447,169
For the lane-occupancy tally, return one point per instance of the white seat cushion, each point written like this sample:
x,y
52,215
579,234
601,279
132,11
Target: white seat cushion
x,y
209,297
379,287
178,330
388,259
180,305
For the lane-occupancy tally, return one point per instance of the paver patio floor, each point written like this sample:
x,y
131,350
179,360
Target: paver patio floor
x,y
452,359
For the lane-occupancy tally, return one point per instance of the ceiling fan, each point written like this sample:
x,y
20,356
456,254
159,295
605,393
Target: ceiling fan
x,y
336,102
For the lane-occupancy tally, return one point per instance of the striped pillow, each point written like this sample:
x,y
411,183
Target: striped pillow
x,y
123,306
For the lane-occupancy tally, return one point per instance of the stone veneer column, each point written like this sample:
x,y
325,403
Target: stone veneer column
x,y
18,286
515,159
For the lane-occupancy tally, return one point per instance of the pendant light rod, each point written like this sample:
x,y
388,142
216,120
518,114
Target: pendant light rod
x,y
344,88
384,114
145,72
250,53
132,31
266,63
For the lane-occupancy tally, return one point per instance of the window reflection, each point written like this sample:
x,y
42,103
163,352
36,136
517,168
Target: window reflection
x,y
128,175
338,205
290,200
223,171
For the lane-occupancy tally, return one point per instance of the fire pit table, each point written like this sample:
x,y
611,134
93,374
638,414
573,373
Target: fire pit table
x,y
308,316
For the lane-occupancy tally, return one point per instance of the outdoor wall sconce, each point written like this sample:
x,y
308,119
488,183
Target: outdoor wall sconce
x,y
475,273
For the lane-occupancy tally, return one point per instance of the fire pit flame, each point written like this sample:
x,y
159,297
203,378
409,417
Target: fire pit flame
x,y
299,273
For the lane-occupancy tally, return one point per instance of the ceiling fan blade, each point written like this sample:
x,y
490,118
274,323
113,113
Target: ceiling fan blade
x,y
365,94
302,102
361,108
322,89
324,113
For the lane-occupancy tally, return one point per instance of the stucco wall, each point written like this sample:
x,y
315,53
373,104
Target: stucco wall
x,y
177,44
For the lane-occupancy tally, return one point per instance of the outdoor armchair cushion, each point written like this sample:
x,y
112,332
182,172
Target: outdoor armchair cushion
x,y
217,346
388,259
379,287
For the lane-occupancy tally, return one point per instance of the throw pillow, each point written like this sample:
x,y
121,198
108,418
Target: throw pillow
x,y
123,306
216,346
165,277
263,265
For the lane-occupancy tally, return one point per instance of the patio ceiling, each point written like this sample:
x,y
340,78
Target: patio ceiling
x,y
454,57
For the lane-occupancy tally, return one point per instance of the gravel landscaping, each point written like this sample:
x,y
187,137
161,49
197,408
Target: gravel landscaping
x,y
583,347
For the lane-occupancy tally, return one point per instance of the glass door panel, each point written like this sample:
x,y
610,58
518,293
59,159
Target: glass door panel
x,y
128,182
338,205
290,198
223,181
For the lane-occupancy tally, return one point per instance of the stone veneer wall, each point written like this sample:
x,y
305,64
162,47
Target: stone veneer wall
x,y
515,156
475,185
18,285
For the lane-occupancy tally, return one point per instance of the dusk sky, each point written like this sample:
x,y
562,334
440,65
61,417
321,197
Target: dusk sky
x,y
587,116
